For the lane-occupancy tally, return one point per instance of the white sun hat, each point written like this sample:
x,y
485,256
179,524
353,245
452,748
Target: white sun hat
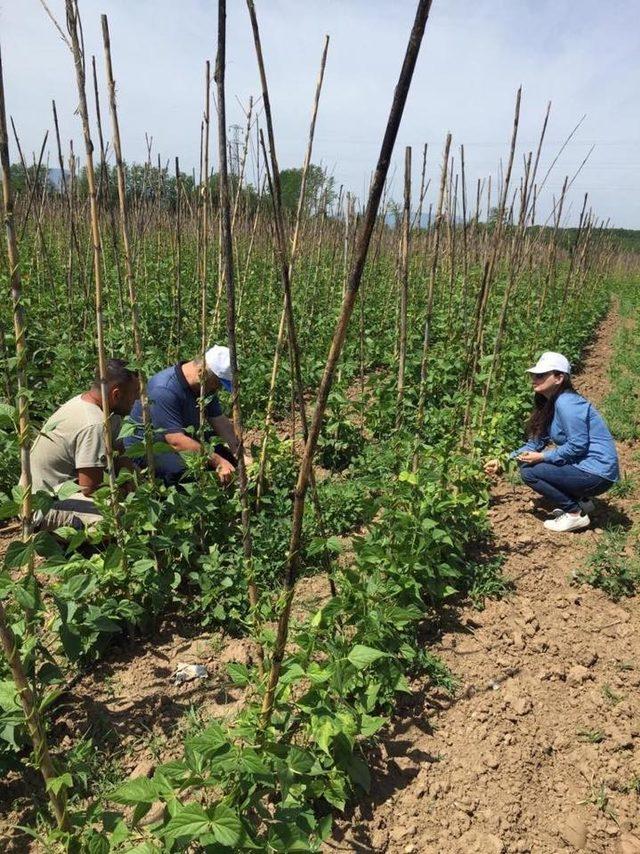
x,y
218,361
551,362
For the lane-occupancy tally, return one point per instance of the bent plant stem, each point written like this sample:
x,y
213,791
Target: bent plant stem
x,y
348,302
58,800
19,327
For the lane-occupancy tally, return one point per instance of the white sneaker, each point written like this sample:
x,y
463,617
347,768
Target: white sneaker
x,y
567,522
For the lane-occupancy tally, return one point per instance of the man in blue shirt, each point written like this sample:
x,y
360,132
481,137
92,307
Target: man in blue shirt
x,y
174,408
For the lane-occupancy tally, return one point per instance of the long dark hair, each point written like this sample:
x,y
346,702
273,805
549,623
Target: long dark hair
x,y
543,409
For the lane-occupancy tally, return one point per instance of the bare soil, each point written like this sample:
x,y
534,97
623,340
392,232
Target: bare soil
x,y
507,765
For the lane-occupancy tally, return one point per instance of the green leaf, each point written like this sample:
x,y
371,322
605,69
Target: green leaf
x,y
113,559
190,821
208,742
238,673
56,783
7,416
25,598
8,508
46,545
359,773
9,696
18,554
299,761
136,791
324,827
371,724
362,656
97,843
226,826
67,489
334,545
252,763
143,848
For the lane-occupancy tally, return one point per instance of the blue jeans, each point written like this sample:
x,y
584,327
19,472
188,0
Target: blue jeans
x,y
563,485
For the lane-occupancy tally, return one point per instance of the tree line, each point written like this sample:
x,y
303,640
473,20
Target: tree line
x,y
158,185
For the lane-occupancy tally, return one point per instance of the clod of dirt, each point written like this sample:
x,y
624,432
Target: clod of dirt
x,y
577,675
573,830
522,706
144,768
588,657
474,842
156,813
621,738
628,844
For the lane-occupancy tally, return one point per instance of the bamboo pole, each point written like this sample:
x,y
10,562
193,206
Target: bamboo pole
x,y
178,262
489,268
19,323
426,340
404,285
204,219
292,258
73,23
124,226
226,249
360,257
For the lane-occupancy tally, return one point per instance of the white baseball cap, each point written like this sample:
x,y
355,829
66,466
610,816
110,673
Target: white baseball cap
x,y
551,362
218,361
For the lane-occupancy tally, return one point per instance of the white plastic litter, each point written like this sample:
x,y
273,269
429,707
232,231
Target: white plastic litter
x,y
187,672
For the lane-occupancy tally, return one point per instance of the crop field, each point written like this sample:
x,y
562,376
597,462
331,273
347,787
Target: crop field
x,y
378,349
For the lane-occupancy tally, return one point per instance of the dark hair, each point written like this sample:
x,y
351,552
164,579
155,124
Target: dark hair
x,y
117,373
543,409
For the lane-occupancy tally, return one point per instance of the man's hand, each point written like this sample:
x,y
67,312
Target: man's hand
x,y
223,469
492,467
531,457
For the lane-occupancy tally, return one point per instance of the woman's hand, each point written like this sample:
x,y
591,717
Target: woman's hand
x,y
492,467
531,457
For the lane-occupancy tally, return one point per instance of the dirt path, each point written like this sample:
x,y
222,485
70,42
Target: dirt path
x,y
508,766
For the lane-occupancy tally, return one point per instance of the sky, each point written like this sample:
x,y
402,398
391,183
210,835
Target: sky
x,y
582,55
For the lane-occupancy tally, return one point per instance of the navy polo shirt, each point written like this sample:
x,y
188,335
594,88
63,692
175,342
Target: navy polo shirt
x,y
173,407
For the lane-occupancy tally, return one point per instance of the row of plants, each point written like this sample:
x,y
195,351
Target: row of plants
x,y
351,658
614,564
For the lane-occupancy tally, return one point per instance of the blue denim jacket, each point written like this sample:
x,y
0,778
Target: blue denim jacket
x,y
581,438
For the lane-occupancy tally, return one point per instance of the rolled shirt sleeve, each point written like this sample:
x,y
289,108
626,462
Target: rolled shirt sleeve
x,y
531,445
90,450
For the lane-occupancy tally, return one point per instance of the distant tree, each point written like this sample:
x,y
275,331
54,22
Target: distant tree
x,y
21,181
319,192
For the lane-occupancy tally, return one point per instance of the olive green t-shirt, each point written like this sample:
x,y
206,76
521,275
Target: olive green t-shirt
x,y
71,439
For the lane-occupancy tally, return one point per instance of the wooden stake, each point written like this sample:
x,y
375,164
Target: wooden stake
x,y
360,257
124,226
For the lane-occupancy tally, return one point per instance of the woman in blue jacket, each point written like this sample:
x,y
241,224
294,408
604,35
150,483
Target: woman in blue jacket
x,y
583,462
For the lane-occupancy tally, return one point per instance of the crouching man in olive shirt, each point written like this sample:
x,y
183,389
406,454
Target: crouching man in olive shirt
x,y
71,447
